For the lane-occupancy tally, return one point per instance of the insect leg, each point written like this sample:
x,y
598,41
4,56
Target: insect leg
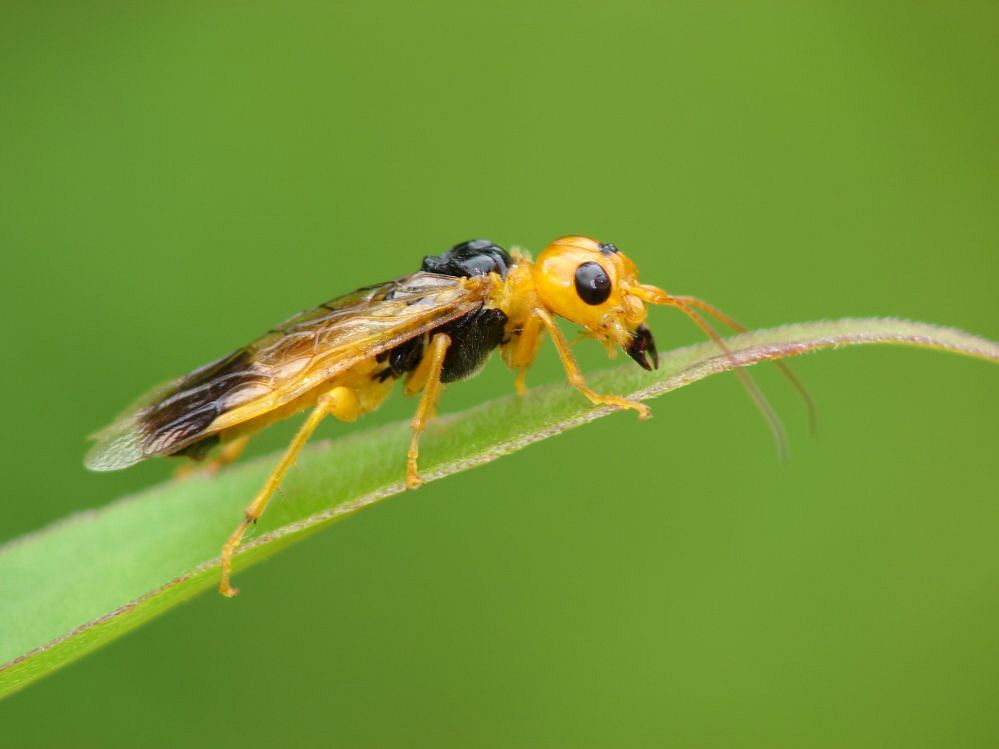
x,y
230,452
427,375
519,354
575,376
520,383
340,402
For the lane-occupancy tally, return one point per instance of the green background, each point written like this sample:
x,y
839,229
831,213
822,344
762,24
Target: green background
x,y
176,177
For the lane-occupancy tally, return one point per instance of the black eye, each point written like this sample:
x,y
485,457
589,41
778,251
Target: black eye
x,y
592,283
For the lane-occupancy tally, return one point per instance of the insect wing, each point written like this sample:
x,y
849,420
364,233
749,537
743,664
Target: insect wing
x,y
283,365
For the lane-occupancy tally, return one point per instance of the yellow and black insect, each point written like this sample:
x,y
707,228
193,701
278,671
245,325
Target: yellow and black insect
x,y
435,326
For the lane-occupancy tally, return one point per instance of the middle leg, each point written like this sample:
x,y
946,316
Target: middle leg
x,y
427,376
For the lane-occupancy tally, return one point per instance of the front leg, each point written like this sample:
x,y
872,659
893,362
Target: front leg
x,y
426,376
574,374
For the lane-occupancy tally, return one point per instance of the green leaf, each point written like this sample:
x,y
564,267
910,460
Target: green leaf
x,y
92,577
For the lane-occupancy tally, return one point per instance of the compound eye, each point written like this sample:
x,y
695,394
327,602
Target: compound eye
x,y
592,283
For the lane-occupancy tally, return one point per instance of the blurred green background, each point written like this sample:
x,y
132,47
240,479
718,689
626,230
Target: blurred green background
x,y
176,177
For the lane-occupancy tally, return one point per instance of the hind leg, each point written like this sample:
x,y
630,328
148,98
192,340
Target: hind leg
x,y
228,453
340,402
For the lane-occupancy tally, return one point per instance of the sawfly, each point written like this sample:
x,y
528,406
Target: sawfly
x,y
429,328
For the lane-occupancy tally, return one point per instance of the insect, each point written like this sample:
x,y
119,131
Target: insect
x,y
429,328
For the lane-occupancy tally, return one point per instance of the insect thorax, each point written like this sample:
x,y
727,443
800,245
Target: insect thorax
x,y
476,257
473,335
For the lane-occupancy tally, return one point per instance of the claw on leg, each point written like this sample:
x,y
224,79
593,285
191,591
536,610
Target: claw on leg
x,y
225,588
644,412
520,384
413,480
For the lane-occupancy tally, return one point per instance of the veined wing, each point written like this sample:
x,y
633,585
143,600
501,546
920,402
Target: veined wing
x,y
283,365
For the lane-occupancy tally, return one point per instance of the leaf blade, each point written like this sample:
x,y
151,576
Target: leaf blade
x,y
152,551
